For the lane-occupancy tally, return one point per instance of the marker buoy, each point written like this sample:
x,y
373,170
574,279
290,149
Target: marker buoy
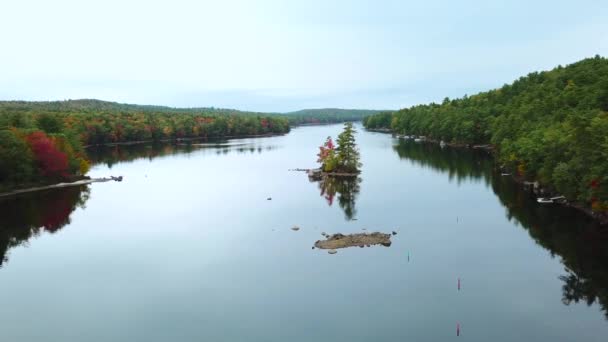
x,y
457,329
458,284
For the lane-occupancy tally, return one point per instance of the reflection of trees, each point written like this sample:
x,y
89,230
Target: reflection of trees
x,y
111,155
347,189
26,216
565,232
458,163
577,289
580,243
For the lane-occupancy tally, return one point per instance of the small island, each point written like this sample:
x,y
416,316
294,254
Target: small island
x,y
341,160
354,240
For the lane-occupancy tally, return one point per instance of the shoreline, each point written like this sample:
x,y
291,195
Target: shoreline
x,y
318,174
58,186
600,218
177,140
322,123
87,180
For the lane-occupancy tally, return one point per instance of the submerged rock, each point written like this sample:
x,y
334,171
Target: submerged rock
x,y
332,251
354,240
295,228
394,232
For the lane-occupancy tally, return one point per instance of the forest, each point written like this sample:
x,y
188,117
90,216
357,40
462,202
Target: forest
x,y
549,126
43,142
327,116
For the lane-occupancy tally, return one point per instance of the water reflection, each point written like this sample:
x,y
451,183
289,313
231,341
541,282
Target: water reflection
x,y
28,215
579,242
459,164
346,188
110,155
581,245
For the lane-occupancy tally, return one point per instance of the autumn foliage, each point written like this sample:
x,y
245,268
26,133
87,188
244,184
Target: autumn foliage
x,y
327,155
51,162
35,157
44,142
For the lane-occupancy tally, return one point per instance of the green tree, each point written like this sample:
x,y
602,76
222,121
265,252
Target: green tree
x,y
49,123
16,161
348,153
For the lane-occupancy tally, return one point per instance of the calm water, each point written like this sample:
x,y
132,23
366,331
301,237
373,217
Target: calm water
x,y
187,248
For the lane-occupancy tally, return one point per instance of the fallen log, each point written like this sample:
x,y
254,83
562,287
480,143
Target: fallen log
x,y
61,185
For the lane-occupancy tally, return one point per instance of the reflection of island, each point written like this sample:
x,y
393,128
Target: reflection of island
x,y
580,243
26,216
346,188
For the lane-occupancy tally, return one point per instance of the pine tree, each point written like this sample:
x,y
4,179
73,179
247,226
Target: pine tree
x,y
348,153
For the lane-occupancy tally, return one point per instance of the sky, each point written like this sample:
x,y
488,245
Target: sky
x,y
271,55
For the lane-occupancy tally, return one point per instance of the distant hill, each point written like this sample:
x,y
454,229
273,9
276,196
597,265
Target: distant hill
x,y
92,105
328,115
300,117
322,115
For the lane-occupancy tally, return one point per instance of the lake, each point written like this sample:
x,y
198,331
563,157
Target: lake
x,y
189,248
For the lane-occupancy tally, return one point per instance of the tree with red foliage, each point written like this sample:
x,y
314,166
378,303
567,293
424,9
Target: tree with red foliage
x,y
264,123
50,160
327,155
595,183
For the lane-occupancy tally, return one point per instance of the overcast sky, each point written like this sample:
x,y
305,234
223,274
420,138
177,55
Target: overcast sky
x,y
272,55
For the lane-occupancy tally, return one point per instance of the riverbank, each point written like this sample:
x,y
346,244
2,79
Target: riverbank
x,y
178,140
379,130
539,190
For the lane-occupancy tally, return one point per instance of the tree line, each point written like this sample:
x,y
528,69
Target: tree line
x,y
42,142
550,126
327,116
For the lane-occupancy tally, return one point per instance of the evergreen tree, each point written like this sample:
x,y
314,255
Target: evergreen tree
x,y
348,153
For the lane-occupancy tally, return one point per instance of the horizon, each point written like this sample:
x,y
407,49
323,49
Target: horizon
x,y
281,57
194,108
284,112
